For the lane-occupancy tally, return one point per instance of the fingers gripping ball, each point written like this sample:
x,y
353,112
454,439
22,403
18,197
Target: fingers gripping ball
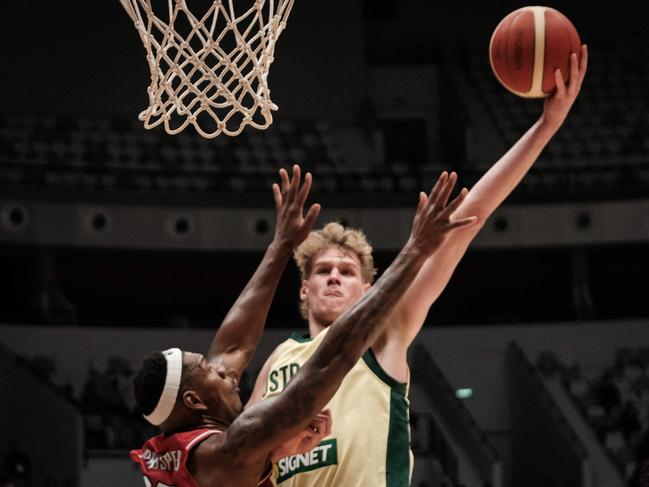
x,y
528,45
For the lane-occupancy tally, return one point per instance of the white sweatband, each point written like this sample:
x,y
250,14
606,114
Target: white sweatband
x,y
161,412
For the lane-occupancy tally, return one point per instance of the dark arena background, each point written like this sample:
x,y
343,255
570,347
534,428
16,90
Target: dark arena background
x,y
533,366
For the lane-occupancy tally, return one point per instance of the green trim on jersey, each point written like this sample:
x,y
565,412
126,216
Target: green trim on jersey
x,y
398,455
300,338
370,359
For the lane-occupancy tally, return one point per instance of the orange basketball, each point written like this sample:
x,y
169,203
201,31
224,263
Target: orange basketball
x,y
528,46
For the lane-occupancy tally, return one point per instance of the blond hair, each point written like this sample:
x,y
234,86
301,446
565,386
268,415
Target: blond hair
x,y
334,235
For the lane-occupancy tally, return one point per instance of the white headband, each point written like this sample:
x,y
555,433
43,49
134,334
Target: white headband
x,y
167,399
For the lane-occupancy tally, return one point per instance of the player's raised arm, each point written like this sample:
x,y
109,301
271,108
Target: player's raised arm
x,y
238,336
483,199
268,423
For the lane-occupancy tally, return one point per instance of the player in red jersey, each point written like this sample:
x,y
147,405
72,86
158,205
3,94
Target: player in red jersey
x,y
163,458
207,440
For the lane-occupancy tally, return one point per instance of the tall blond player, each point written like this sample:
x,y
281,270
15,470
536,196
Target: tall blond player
x,y
370,432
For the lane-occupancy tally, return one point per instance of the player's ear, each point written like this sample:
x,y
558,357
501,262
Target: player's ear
x,y
367,286
303,291
192,400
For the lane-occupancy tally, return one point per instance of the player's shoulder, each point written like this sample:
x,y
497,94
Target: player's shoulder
x,y
290,344
214,460
188,440
296,345
211,450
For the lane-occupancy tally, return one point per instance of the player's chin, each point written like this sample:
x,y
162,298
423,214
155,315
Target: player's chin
x,y
240,408
331,314
237,408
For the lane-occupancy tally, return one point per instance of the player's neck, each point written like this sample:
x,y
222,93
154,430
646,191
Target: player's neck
x,y
315,327
205,422
212,422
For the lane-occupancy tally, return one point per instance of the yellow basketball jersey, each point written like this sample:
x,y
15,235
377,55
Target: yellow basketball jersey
x,y
370,441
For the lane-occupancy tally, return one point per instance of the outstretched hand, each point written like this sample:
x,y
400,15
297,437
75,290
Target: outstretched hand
x,y
433,221
557,105
291,226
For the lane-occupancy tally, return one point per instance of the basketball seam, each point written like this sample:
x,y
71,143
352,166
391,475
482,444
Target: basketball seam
x,y
539,53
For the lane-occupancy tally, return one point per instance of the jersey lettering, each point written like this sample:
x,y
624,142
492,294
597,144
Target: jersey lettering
x,y
325,454
170,460
279,378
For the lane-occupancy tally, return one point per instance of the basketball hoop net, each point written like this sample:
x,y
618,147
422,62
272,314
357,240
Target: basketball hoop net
x,y
209,69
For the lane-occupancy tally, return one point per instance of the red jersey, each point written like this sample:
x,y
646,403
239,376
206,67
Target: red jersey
x,y
163,459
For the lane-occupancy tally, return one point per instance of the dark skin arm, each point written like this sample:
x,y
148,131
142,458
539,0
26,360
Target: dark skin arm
x,y
239,334
239,456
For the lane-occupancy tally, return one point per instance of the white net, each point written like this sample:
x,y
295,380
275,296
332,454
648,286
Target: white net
x,y
209,65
